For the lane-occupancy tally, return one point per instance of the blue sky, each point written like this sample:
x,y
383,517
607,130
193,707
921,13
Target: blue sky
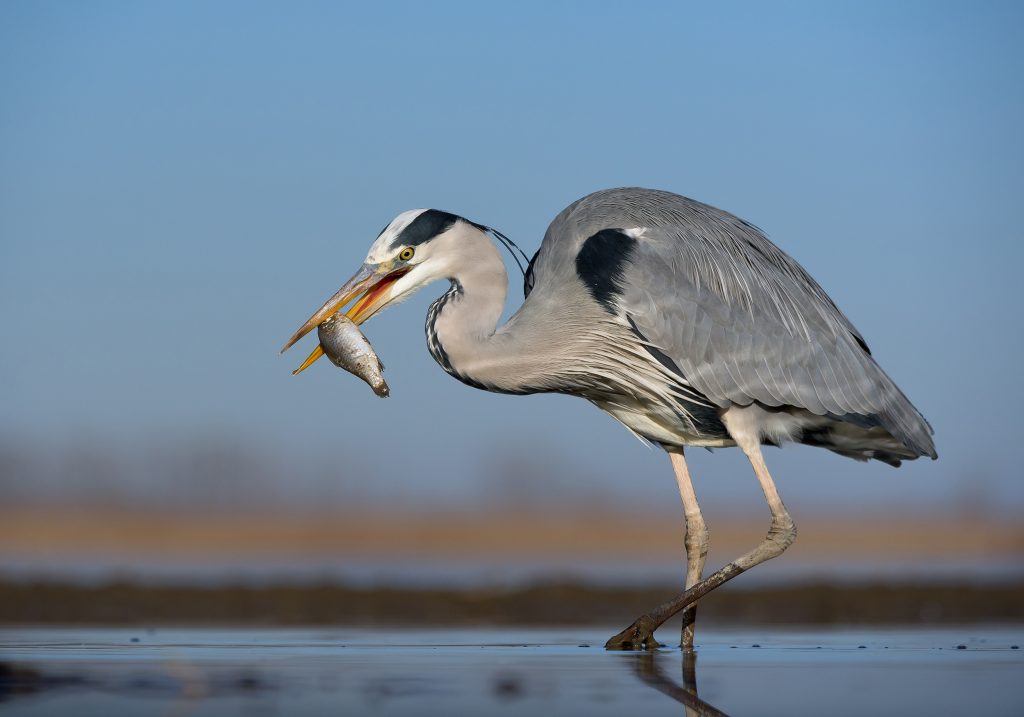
x,y
181,184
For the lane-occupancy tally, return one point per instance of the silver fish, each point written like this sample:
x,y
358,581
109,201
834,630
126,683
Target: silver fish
x,y
346,346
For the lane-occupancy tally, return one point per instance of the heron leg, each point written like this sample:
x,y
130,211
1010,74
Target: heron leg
x,y
781,534
696,540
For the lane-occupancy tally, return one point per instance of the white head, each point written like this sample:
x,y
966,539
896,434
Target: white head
x,y
416,248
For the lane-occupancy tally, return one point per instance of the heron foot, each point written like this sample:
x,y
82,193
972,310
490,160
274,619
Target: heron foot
x,y
638,636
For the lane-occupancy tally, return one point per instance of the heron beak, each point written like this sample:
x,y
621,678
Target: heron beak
x,y
372,281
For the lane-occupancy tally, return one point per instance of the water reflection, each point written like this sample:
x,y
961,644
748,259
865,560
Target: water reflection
x,y
181,683
111,671
648,667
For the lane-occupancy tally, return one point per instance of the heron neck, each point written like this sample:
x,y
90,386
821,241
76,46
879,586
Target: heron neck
x,y
463,334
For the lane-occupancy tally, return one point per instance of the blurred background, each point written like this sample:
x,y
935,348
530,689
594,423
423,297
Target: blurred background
x,y
182,184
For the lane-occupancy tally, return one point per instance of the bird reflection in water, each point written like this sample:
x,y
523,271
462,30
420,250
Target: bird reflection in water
x,y
648,667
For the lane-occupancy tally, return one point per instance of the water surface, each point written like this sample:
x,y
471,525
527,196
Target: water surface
x,y
749,671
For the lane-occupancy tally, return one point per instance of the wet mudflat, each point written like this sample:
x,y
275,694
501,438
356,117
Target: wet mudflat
x,y
551,671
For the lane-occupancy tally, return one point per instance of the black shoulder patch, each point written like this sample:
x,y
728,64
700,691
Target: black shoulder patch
x,y
425,227
601,263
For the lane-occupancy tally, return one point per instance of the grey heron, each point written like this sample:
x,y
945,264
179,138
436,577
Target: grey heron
x,y
682,321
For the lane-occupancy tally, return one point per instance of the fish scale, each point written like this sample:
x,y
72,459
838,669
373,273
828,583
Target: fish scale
x,y
348,348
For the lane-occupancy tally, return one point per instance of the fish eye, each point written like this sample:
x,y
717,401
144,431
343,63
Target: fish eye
x,y
406,254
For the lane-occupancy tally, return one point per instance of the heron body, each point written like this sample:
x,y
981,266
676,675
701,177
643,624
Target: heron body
x,y
682,321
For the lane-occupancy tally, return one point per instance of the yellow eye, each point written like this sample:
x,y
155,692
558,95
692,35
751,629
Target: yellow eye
x,y
406,254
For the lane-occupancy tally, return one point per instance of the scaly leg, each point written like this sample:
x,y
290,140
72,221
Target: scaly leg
x,y
780,536
696,540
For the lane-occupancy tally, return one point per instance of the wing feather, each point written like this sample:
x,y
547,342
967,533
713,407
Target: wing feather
x,y
743,321
758,331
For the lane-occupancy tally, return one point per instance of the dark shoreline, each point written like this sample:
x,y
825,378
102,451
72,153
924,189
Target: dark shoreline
x,y
128,603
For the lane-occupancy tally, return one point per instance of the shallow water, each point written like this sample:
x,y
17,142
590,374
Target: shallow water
x,y
771,671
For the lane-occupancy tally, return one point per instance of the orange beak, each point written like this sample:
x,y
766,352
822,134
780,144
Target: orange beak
x,y
370,281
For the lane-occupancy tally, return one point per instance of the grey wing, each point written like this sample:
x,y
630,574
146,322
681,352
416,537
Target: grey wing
x,y
744,322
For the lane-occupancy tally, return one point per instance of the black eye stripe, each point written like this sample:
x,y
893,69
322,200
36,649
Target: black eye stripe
x,y
425,227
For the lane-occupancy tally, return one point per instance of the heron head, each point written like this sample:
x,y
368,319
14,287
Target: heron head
x,y
416,248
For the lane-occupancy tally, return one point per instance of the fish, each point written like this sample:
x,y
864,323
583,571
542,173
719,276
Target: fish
x,y
347,347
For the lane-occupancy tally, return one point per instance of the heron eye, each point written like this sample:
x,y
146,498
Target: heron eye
x,y
406,254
